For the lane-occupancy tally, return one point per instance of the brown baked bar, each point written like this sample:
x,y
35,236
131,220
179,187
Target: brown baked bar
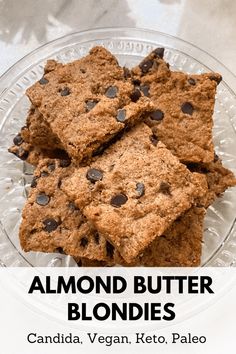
x,y
134,191
184,106
180,246
38,133
218,178
51,223
56,225
87,102
181,243
36,141
33,154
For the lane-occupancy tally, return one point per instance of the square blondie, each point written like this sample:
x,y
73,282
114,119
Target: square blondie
x,y
134,191
184,107
88,102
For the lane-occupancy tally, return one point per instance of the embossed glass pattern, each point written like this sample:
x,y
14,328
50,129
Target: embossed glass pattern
x,y
130,46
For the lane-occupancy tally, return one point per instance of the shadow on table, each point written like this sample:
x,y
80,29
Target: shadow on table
x,y
24,19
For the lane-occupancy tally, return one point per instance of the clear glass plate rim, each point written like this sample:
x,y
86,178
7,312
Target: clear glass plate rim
x,y
105,34
132,30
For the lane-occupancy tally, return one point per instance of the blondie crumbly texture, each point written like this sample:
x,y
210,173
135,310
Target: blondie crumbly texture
x,y
179,246
37,132
184,106
34,154
85,262
218,179
52,223
36,140
87,102
134,191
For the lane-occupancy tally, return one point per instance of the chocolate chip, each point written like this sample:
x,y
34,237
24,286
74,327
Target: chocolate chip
x,y
18,140
135,95
83,242
59,250
146,65
121,114
42,199
217,78
72,206
157,115
96,238
165,188
51,167
187,108
65,91
159,52
111,92
50,224
44,174
90,104
119,200
145,89
110,249
94,175
216,157
191,81
140,189
154,139
34,182
127,73
136,82
64,163
43,81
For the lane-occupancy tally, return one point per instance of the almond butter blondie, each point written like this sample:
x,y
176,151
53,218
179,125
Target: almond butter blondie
x,y
52,223
33,154
218,179
134,191
87,102
179,246
184,106
38,133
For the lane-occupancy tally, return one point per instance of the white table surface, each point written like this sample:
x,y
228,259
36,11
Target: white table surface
x,y
27,24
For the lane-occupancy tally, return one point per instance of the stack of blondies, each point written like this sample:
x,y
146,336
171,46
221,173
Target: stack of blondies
x,y
125,162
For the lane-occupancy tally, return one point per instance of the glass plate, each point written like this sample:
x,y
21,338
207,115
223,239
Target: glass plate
x,y
129,46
